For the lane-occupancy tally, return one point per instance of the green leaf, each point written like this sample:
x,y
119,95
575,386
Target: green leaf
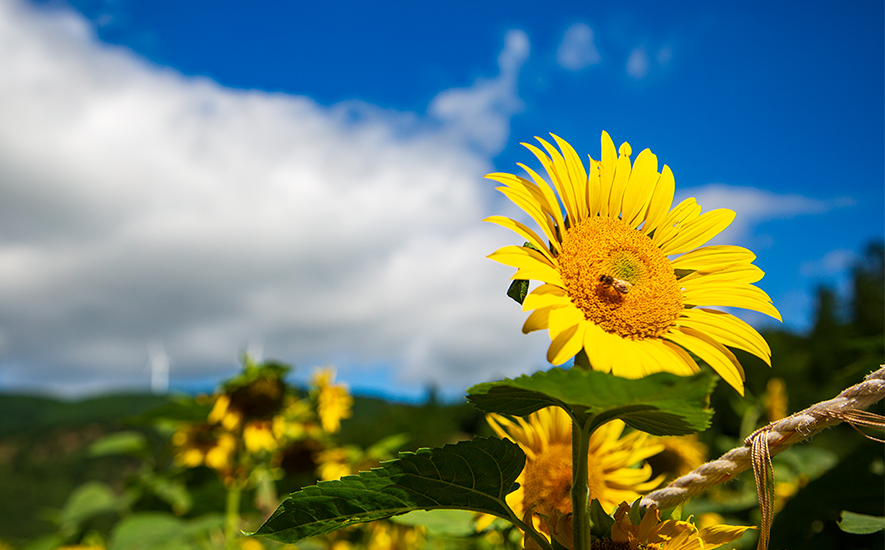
x,y
89,500
518,290
860,524
452,523
660,404
119,443
471,475
162,531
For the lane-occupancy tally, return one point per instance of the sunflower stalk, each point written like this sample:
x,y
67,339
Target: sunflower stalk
x,y
580,492
232,514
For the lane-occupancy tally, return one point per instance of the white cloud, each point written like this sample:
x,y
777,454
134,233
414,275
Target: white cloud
x,y
136,203
577,51
637,63
480,115
754,206
834,262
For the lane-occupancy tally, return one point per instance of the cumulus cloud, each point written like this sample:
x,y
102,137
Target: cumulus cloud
x,y
480,114
755,206
637,63
577,51
834,262
139,204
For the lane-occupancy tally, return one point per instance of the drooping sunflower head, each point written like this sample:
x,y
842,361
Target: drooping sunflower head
x,y
651,533
624,276
616,471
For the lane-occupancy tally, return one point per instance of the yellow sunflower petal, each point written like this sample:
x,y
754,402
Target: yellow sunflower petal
x,y
566,345
546,296
558,176
552,205
629,359
607,165
622,177
564,318
737,273
524,201
676,359
661,200
600,347
713,257
577,174
729,295
717,535
728,330
695,232
530,264
675,218
523,231
593,187
520,256
537,320
712,352
643,180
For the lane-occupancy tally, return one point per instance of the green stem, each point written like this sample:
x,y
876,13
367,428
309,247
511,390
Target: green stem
x,y
580,489
232,515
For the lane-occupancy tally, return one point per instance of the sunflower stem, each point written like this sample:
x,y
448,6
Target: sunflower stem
x,y
232,515
580,489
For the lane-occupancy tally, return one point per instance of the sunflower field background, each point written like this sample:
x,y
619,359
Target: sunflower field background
x,y
192,472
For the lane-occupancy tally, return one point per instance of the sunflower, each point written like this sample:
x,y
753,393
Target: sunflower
x,y
545,483
681,455
204,444
653,534
333,400
610,284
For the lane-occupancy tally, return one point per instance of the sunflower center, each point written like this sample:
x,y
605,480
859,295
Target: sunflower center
x,y
619,279
548,480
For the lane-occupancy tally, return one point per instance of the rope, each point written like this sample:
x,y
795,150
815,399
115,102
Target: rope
x,y
770,440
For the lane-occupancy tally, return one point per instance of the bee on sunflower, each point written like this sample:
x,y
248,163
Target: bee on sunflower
x,y
624,275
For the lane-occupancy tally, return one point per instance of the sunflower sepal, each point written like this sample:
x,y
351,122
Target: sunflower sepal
x,y
659,404
600,522
518,290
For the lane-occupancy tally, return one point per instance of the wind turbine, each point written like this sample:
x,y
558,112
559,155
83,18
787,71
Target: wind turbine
x,y
159,363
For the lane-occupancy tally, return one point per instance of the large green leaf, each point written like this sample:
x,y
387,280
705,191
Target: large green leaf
x,y
471,475
660,404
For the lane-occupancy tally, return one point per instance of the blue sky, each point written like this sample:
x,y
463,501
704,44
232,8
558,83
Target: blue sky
x,y
304,180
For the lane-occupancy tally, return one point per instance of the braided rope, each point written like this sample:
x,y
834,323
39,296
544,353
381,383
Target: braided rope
x,y
778,436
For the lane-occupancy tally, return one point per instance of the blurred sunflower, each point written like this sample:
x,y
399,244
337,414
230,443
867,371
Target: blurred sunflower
x,y
609,287
204,444
653,534
680,455
257,393
776,401
545,482
258,436
333,400
385,535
